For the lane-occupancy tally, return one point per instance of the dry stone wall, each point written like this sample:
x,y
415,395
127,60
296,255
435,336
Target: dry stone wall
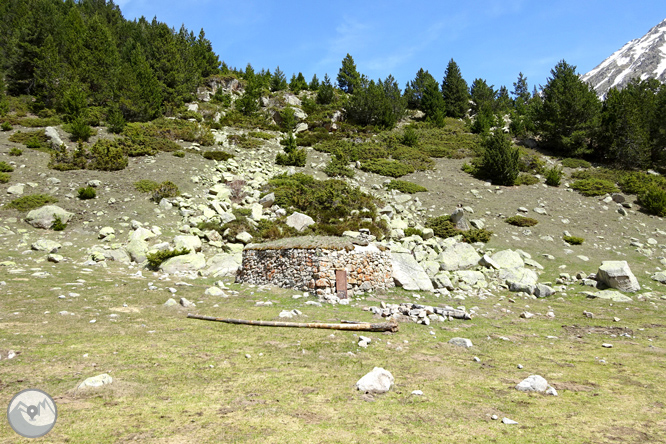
x,y
313,269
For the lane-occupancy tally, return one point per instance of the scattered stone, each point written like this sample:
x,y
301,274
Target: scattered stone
x,y
461,342
214,291
588,314
534,383
44,217
417,393
660,276
508,421
299,221
605,345
377,381
170,302
610,295
96,381
526,315
409,274
187,304
46,245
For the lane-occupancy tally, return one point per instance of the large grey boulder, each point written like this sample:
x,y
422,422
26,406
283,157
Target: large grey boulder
x,y
141,234
224,264
508,259
184,263
408,274
471,278
53,136
299,221
137,249
519,279
616,274
268,200
377,381
659,276
458,256
190,242
44,217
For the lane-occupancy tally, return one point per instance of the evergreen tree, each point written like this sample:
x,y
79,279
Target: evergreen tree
x,y
101,61
432,103
208,63
248,103
626,135
376,103
298,83
483,106
278,81
520,91
326,93
503,102
499,163
49,74
415,89
570,112
455,91
314,83
348,76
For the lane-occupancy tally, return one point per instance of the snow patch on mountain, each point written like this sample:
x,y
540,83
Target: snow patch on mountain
x,y
640,58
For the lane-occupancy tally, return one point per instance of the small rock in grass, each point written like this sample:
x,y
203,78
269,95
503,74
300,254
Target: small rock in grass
x,y
377,381
185,303
461,342
508,421
607,345
417,393
96,381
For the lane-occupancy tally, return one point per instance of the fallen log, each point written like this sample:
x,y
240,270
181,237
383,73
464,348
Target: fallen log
x,y
361,326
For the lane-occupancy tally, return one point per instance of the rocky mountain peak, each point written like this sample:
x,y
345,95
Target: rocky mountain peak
x,y
641,58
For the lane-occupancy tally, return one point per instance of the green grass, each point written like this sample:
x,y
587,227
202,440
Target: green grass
x,y
594,187
405,186
185,380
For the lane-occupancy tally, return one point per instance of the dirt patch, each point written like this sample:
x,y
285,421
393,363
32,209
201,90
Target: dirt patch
x,y
573,387
627,434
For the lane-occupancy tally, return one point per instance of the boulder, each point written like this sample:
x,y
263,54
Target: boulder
x,y
224,264
96,381
377,381
408,274
299,221
616,274
458,256
105,232
535,383
461,342
659,277
244,237
442,280
508,259
543,291
46,245
137,250
44,217
184,263
610,295
471,278
268,200
459,220
16,190
190,242
141,234
519,279
53,136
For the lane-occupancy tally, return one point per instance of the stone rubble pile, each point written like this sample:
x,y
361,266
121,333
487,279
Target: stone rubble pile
x,y
420,314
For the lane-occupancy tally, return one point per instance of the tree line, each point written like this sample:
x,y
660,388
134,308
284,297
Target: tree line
x,y
72,55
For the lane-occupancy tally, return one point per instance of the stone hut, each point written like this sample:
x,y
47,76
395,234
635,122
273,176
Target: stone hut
x,y
318,263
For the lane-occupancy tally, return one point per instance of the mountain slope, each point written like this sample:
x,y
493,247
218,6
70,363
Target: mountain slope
x,y
640,58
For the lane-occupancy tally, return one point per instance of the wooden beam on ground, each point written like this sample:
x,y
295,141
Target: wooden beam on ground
x,y
362,326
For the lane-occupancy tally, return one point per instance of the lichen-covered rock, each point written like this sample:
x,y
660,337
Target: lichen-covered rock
x,y
409,274
184,263
618,275
377,381
299,221
459,256
44,217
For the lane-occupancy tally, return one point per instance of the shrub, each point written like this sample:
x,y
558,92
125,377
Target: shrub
x,y
63,160
261,135
476,235
187,115
31,201
179,154
521,221
409,137
554,176
80,130
338,167
87,193
107,155
531,163
526,179
115,121
15,151
654,200
293,155
405,186
5,167
58,225
220,156
411,231
594,187
244,141
638,182
165,190
499,162
386,167
6,126
4,177
573,240
31,139
571,162
146,186
156,259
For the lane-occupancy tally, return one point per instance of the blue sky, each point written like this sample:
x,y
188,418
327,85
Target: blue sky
x,y
489,39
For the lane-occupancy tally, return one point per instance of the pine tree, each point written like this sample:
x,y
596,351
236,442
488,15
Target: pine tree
x,y
499,162
348,76
432,104
570,112
278,81
326,93
298,83
314,83
455,91
483,106
415,89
